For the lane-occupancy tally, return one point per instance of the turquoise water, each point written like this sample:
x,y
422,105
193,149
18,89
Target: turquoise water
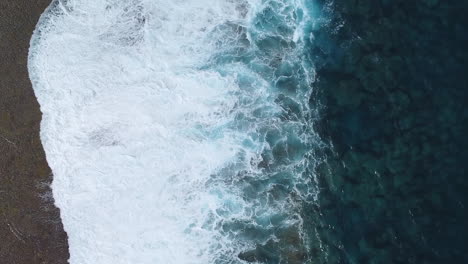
x,y
272,52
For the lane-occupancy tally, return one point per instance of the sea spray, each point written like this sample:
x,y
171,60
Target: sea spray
x,y
178,132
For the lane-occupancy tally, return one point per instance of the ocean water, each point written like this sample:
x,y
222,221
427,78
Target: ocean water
x,y
391,79
179,131
256,131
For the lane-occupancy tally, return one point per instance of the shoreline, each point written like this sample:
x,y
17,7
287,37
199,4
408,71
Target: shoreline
x,y
32,230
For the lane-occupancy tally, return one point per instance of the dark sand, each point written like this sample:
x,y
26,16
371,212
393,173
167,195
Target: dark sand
x,y
30,230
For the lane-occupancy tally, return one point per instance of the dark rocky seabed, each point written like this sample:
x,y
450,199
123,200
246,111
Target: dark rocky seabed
x,y
391,87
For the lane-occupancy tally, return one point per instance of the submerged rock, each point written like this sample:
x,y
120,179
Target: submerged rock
x,y
393,92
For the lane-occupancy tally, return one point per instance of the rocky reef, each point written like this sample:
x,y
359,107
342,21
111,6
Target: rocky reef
x,y
392,89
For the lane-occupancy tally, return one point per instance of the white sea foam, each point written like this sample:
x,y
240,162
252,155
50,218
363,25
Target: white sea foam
x,y
131,126
161,154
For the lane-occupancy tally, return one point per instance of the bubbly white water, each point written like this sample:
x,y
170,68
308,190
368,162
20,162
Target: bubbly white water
x,y
137,129
127,126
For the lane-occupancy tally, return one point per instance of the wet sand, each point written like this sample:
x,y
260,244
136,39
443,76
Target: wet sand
x,y
31,230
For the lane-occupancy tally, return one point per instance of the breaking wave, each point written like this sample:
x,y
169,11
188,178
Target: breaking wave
x,y
178,131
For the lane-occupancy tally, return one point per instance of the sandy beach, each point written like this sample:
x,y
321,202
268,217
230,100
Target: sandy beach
x,y
31,229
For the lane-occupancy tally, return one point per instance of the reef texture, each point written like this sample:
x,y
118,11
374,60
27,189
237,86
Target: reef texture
x,y
392,85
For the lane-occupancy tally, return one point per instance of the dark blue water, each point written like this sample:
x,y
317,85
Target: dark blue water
x,y
392,87
384,179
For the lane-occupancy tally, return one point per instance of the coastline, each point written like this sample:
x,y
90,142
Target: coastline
x,y
32,231
392,102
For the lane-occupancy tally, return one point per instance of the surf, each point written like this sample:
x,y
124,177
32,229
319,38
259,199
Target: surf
x,y
178,132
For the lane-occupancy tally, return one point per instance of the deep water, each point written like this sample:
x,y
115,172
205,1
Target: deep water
x,y
392,89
